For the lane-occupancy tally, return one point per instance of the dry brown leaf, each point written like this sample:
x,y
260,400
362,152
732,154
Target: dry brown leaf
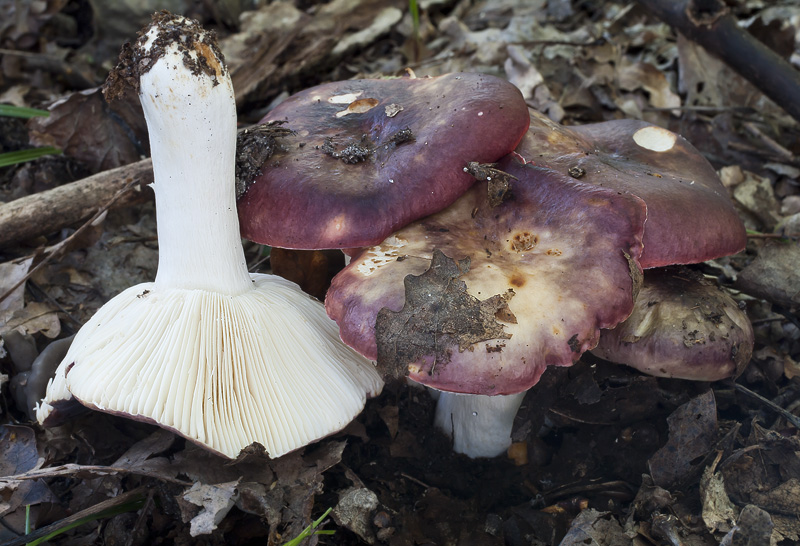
x,y
85,127
36,317
215,501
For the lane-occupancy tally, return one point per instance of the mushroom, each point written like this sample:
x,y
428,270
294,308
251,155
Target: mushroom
x,y
220,356
29,386
547,262
364,158
479,425
682,326
481,297
679,185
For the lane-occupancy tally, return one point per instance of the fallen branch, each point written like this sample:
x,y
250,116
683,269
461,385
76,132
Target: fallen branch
x,y
51,210
57,249
94,471
709,23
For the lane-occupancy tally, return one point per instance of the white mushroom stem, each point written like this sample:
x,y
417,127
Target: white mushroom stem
x,y
221,356
191,119
479,425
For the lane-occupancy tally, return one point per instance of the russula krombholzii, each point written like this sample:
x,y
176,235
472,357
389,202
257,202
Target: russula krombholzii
x,y
547,265
356,160
683,326
690,217
481,297
220,356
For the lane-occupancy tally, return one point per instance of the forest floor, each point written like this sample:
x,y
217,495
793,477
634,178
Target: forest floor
x,y
602,454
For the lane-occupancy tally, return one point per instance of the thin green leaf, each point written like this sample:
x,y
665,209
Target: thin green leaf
x,y
10,111
414,8
21,156
121,509
311,530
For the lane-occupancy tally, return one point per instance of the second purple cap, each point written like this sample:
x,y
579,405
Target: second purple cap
x,y
359,159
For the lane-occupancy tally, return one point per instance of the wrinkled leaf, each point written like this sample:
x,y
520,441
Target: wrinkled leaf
x,y
593,528
85,127
438,314
12,273
215,502
692,434
719,512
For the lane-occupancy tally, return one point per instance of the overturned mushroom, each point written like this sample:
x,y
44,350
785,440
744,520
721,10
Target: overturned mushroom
x,y
363,158
221,356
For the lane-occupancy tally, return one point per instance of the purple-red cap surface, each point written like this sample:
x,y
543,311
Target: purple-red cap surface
x,y
362,158
690,217
682,326
481,297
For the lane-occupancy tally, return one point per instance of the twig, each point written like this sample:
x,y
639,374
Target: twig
x,y
51,210
415,480
58,248
119,500
792,418
710,24
96,470
570,489
770,142
773,235
38,292
141,521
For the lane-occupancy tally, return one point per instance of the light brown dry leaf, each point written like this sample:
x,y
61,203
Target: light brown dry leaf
x,y
355,511
719,512
755,193
645,76
707,81
10,274
215,501
36,317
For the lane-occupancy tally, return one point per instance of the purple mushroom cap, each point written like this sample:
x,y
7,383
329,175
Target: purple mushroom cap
x,y
682,326
363,158
690,217
481,297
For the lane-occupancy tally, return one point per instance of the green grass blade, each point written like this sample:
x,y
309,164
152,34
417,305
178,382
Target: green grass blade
x,y
414,8
10,111
21,156
311,530
121,509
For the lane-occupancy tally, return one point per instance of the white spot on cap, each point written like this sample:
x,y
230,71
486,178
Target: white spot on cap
x,y
655,139
347,98
336,226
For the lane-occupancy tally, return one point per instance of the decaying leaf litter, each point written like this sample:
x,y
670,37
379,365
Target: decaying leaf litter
x,y
609,455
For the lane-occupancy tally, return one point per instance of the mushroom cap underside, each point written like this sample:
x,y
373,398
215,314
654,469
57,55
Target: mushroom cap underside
x,y
223,371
